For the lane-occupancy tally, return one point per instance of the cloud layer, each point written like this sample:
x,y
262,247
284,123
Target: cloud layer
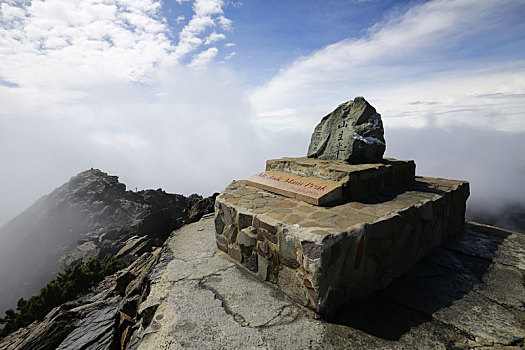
x,y
426,65
106,84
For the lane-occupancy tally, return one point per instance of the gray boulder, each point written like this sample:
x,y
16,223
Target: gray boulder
x,y
353,132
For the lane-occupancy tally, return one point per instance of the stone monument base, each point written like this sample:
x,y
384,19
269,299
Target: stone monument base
x,y
358,180
322,256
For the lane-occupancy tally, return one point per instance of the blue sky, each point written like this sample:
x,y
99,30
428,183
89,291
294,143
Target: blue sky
x,y
189,94
272,34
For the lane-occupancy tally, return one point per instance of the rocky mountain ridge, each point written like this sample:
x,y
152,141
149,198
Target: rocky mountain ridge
x,y
91,215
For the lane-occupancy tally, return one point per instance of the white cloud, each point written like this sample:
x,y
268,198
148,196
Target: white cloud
x,y
207,14
229,45
180,19
213,37
11,13
203,58
208,7
58,43
226,23
96,84
410,58
230,55
99,84
236,4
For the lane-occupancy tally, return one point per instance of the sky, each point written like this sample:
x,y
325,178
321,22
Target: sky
x,y
188,95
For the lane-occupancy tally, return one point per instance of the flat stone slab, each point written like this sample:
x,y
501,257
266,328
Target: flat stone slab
x,y
435,305
357,180
322,256
307,189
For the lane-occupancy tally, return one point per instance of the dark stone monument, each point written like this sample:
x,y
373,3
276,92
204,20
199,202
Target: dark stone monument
x,y
353,132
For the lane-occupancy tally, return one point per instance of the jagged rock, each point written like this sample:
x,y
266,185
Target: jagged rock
x,y
200,206
134,247
93,209
353,132
81,253
102,319
94,331
47,334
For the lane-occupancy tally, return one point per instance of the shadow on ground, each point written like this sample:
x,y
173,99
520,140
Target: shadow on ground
x,y
434,283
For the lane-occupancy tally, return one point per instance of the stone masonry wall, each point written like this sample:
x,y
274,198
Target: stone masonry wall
x,y
358,180
319,256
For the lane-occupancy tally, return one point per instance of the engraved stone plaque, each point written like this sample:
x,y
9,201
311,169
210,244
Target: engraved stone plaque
x,y
310,190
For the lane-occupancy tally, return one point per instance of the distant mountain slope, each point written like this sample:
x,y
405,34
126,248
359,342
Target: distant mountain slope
x,y
91,215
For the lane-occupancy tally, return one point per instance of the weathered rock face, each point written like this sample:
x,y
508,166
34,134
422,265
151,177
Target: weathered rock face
x,y
200,206
91,215
353,132
105,318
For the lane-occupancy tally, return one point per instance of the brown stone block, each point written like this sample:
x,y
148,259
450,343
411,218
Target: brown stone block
x,y
316,224
263,266
290,283
358,215
305,209
230,232
287,250
264,249
247,237
311,250
278,215
268,235
344,223
281,203
294,219
222,244
321,215
222,240
245,220
235,253
250,261
260,235
233,201
219,224
257,223
262,210
227,213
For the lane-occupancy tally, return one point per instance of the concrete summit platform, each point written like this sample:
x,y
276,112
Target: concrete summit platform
x,y
468,294
323,256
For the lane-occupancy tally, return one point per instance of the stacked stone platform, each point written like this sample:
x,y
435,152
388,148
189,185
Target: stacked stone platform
x,y
357,180
323,256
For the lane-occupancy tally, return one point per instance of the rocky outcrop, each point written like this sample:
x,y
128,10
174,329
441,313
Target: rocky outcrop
x,y
353,132
104,318
91,215
200,206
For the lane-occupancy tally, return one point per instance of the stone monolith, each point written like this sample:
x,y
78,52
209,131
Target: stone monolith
x,y
353,132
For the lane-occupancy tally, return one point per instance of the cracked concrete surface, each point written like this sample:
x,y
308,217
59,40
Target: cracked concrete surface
x,y
457,298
